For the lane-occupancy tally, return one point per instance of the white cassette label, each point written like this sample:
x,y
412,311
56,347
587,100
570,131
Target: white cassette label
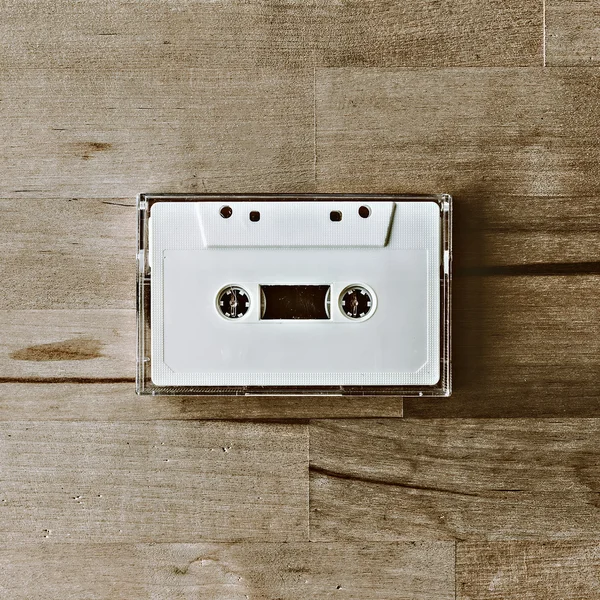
x,y
295,293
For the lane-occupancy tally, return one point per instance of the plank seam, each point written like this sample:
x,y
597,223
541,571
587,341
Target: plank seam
x,y
543,33
455,570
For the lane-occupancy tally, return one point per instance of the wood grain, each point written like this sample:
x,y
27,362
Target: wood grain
x,y
454,479
104,494
179,34
67,345
403,571
67,253
106,400
483,135
155,481
418,34
289,34
528,571
84,133
572,32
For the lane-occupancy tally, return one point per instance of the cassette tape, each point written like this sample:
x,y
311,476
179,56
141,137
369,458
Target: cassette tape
x,y
294,294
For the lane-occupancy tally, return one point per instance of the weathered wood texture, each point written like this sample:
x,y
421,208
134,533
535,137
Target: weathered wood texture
x,y
169,481
67,253
107,400
63,345
528,571
286,34
421,33
486,135
454,479
522,346
572,32
112,133
404,571
170,34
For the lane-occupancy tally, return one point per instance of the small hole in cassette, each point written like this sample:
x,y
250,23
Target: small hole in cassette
x,y
364,212
226,211
254,216
335,215
233,302
356,302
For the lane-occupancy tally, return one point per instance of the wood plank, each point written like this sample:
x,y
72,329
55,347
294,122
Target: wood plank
x,y
103,400
525,235
385,33
527,571
67,253
175,481
106,133
514,391
62,34
52,345
485,136
291,571
572,32
171,34
454,479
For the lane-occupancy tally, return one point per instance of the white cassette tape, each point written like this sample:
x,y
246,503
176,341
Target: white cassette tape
x,y
317,294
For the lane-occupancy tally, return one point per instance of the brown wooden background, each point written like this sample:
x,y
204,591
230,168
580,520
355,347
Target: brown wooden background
x,y
491,494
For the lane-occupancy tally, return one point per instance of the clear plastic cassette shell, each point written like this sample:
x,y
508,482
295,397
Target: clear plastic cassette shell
x,y
239,294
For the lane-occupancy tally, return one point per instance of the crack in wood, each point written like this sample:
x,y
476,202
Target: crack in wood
x,y
398,484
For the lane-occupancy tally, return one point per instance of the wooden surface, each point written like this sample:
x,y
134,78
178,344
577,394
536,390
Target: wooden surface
x,y
572,32
528,570
153,481
232,571
490,494
457,479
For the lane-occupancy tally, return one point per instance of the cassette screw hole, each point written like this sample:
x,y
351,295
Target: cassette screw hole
x,y
226,211
233,302
254,216
364,212
335,215
356,302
